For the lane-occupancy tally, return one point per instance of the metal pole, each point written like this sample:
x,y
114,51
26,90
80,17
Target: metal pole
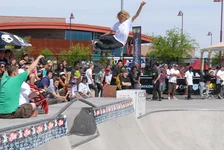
x,y
122,4
220,53
182,30
70,33
211,39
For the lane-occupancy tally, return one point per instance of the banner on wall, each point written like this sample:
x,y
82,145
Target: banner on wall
x,y
137,44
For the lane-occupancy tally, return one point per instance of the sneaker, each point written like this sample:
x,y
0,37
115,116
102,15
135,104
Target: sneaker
x,y
174,98
168,98
219,96
94,44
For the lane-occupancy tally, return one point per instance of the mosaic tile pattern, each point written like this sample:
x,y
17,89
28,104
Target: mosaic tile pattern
x,y
113,111
33,136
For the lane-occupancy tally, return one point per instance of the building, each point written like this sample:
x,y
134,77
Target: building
x,y
55,34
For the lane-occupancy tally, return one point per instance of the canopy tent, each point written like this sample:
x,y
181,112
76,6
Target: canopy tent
x,y
210,49
197,65
215,47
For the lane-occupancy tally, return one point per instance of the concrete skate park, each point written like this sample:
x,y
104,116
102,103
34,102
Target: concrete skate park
x,y
120,124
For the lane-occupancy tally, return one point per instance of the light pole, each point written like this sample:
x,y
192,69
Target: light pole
x,y
122,4
182,22
71,17
210,34
220,53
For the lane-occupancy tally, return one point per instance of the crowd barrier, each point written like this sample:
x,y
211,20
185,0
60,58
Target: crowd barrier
x,y
146,84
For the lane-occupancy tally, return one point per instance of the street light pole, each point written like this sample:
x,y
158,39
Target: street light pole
x,y
122,4
182,22
71,17
210,34
220,53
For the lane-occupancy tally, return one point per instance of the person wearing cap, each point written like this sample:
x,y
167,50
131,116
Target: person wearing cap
x,y
99,81
107,77
116,70
189,82
25,57
156,82
74,89
62,80
125,80
9,99
174,74
204,83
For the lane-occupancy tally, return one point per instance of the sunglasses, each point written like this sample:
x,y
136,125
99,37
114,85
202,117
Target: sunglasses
x,y
2,66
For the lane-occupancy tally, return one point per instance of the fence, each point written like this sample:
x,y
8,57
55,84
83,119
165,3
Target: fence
x,y
146,64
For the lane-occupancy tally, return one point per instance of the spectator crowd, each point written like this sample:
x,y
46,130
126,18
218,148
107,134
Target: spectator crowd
x,y
60,83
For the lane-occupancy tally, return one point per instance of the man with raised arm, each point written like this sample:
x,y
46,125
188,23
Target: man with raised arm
x,y
10,87
117,37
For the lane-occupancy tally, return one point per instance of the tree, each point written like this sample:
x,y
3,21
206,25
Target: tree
x,y
47,54
172,46
216,58
19,53
77,53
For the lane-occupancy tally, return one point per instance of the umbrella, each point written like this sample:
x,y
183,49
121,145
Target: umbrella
x,y
197,65
11,41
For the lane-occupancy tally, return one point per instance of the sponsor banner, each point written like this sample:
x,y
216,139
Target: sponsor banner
x,y
137,45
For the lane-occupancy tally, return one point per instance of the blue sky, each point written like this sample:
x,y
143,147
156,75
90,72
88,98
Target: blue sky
x,y
200,16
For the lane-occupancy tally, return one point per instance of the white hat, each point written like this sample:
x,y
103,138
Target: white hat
x,y
21,71
62,73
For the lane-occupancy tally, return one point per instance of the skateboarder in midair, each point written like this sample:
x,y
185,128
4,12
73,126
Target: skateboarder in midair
x,y
117,37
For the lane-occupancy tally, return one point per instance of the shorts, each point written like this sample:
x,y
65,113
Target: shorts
x,y
172,87
162,87
24,111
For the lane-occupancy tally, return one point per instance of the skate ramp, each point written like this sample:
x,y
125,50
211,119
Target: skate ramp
x,y
175,130
163,130
122,133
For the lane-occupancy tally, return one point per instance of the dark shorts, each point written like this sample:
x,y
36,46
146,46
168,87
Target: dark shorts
x,y
172,87
24,111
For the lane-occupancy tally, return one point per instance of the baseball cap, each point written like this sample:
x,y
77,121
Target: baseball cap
x,y
62,73
24,54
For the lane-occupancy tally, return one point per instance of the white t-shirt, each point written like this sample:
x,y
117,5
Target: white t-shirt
x,y
173,79
108,79
74,89
84,88
189,77
89,73
168,73
122,30
220,73
24,94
